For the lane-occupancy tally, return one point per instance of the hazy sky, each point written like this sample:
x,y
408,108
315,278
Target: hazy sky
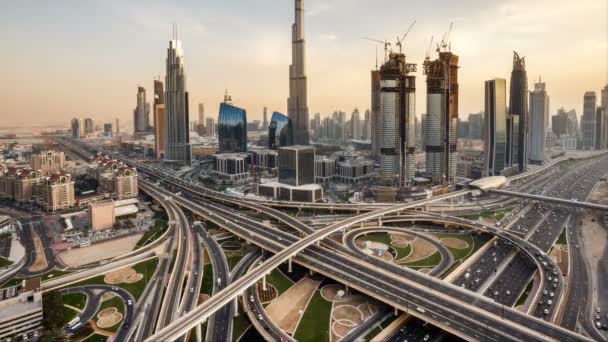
x,y
61,59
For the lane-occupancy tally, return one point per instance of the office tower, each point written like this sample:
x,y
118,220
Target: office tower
x,y
296,165
441,116
48,161
210,127
316,125
265,119
367,125
280,131
117,126
423,131
107,129
518,121
141,113
159,131
159,99
463,129
201,113
232,129
495,130
297,103
476,126
89,126
588,120
539,112
397,108
375,104
600,121
75,125
177,134
355,123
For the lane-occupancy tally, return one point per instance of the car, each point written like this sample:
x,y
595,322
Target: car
x,y
191,289
421,310
260,317
129,302
598,310
597,317
426,337
251,299
546,311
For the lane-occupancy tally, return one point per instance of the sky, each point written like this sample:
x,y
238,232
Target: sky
x,y
85,58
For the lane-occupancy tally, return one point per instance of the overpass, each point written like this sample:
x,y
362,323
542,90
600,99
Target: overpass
x,y
541,198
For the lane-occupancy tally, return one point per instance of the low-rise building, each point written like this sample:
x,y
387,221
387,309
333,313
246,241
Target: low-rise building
x,y
231,166
264,159
21,311
356,170
101,215
325,169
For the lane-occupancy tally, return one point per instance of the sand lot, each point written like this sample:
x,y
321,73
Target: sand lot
x,y
285,310
108,318
40,263
420,250
99,251
455,243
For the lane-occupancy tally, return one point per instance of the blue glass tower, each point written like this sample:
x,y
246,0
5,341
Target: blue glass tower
x,y
232,129
280,131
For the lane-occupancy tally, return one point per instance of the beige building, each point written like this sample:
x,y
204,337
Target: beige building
x,y
159,131
20,310
57,192
102,215
125,183
19,184
48,162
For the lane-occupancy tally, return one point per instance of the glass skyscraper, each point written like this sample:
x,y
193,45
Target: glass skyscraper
x,y
280,131
495,131
232,129
296,165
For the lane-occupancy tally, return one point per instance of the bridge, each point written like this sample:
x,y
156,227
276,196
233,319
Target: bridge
x,y
542,198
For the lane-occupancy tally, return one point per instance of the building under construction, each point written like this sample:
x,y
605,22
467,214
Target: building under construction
x,y
441,115
396,129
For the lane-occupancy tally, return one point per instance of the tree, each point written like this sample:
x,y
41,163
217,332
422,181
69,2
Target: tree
x,y
52,311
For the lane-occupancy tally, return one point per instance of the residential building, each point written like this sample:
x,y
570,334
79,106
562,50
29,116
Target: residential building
x,y
375,113
57,192
89,126
539,113
297,103
48,161
210,127
476,126
125,183
141,113
600,126
495,131
356,128
107,129
588,126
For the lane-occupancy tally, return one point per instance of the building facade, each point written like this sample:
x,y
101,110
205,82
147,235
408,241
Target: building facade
x,y
125,183
232,166
141,113
280,131
518,120
588,121
539,112
58,192
159,131
495,130
232,129
75,128
21,311
296,165
297,103
48,161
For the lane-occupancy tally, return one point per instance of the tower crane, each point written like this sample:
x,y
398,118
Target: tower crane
x,y
386,44
399,41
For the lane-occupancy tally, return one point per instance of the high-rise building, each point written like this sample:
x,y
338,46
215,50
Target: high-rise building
x,y
397,109
159,99
495,130
476,126
232,129
48,161
463,129
355,123
518,120
159,131
297,165
210,127
539,112
177,134
89,126
125,183
604,105
441,116
265,119
600,122
375,108
297,103
58,192
141,113
75,126
107,129
117,126
280,131
367,125
201,113
588,121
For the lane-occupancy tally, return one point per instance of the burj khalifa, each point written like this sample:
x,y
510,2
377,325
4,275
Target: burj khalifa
x,y
297,103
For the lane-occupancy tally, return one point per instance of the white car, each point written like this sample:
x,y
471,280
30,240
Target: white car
x,y
129,302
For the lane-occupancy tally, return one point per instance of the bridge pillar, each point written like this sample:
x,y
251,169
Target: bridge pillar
x,y
289,268
264,282
396,312
236,306
311,272
198,333
379,222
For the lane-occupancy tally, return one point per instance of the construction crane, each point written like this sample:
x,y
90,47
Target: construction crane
x,y
428,51
444,40
399,41
386,45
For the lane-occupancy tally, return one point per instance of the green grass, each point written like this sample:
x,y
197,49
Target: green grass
x,y
372,334
279,280
96,338
314,325
152,234
562,238
68,314
146,268
522,299
387,321
428,262
240,324
5,262
233,260
77,300
207,282
497,215
53,274
117,303
458,254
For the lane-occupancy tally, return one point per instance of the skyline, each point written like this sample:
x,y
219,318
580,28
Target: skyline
x,y
121,46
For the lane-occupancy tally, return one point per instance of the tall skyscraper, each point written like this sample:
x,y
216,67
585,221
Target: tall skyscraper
x,y
159,131
539,112
518,122
600,123
177,134
495,130
604,105
280,131
355,123
297,103
441,116
210,127
232,129
141,113
397,109
588,120
75,126
201,113
117,126
476,126
265,119
89,126
375,109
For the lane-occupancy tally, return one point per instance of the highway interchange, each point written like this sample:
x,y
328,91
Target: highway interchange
x,y
455,308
